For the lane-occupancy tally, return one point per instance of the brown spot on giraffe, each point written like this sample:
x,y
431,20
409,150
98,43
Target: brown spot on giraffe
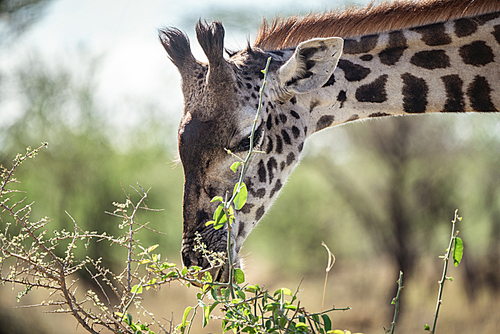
x,y
364,45
374,91
454,94
431,59
465,27
353,72
479,92
496,33
477,53
324,122
434,34
415,92
394,51
313,105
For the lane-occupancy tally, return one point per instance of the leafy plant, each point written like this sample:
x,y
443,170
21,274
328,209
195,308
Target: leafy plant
x,y
34,259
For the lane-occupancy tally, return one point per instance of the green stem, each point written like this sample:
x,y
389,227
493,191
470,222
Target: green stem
x,y
227,204
347,308
229,257
124,313
396,302
445,269
192,319
254,127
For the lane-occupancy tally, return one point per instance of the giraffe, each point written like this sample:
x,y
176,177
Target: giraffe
x,y
397,58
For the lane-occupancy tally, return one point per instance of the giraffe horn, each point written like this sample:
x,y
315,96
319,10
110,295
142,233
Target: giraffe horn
x,y
211,39
176,43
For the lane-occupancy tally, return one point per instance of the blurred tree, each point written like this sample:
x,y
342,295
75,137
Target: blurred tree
x,y
81,171
416,180
16,16
407,185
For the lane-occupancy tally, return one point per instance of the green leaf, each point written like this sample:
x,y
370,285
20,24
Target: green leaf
x,y
221,223
219,217
206,315
212,307
152,248
213,292
241,294
235,165
251,288
249,330
327,322
184,317
184,271
210,222
301,324
166,265
241,198
427,328
458,251
128,320
316,322
170,274
282,322
208,277
239,276
137,289
219,212
285,291
217,199
205,308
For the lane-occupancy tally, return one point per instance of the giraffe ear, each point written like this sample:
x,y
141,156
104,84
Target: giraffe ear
x,y
310,66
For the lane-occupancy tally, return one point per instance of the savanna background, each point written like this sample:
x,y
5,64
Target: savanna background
x,y
91,79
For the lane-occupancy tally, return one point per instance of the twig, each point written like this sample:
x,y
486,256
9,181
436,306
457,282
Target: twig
x,y
329,266
227,204
395,301
293,316
445,269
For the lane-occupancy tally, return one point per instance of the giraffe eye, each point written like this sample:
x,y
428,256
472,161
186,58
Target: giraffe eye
x,y
244,144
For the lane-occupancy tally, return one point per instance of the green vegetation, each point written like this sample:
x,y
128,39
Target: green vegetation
x,y
30,255
37,260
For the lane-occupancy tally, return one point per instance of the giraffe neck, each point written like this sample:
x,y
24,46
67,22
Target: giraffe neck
x,y
443,67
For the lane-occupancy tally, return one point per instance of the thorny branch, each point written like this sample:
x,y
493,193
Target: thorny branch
x,y
30,256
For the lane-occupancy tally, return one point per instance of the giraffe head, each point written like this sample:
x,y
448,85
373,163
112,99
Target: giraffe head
x,y
220,104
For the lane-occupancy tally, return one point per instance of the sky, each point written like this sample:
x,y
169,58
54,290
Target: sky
x,y
122,35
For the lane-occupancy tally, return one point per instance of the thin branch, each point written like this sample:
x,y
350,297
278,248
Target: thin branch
x,y
445,269
396,302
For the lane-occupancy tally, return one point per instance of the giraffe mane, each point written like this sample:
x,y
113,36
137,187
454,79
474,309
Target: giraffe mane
x,y
282,33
